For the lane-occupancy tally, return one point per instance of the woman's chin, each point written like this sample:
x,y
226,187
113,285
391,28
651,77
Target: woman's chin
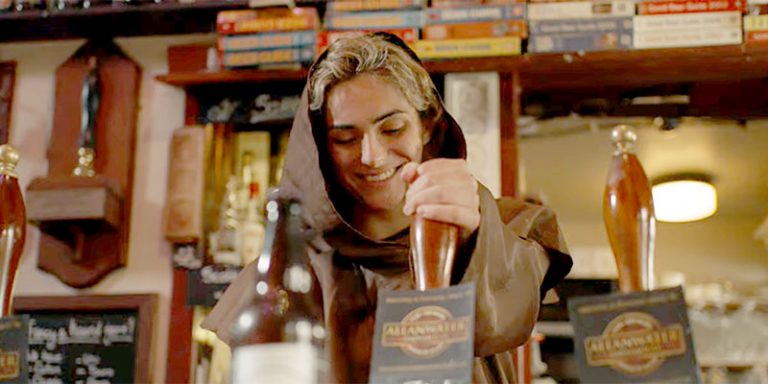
x,y
382,204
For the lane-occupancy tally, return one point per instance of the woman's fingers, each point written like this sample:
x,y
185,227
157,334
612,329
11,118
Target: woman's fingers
x,y
443,190
459,194
463,217
409,172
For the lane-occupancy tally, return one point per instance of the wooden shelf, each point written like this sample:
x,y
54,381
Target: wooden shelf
x,y
644,67
190,79
560,71
166,18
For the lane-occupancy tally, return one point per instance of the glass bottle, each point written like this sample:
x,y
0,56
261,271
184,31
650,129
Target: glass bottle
x,y
26,5
225,242
60,5
278,337
249,188
252,234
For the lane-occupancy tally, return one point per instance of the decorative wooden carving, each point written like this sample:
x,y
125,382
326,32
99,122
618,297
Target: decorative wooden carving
x,y
85,221
13,225
628,214
7,76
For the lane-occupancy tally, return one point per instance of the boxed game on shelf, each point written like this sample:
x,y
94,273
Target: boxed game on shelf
x,y
580,26
349,18
479,30
267,36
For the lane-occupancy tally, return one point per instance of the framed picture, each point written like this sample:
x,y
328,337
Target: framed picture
x,y
7,80
89,338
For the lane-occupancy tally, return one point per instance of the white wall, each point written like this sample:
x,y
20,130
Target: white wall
x,y
715,250
161,111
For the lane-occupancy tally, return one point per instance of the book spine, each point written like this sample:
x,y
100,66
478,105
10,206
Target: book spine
x,y
292,23
608,24
455,3
580,9
496,2
266,41
492,46
687,38
756,36
474,14
580,42
372,5
265,13
704,20
689,6
326,38
375,20
272,56
756,22
472,30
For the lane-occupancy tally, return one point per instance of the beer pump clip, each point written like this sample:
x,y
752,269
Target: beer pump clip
x,y
426,335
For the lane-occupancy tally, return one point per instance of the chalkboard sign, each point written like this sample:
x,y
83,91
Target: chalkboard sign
x,y
89,339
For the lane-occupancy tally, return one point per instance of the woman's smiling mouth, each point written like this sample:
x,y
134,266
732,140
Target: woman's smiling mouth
x,y
380,176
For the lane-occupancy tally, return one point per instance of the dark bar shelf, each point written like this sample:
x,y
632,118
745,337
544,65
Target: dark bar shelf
x,y
559,71
118,20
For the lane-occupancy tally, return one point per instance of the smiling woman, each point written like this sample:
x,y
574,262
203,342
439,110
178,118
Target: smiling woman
x,y
370,142
371,147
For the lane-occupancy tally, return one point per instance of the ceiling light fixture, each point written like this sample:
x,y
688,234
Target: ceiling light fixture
x,y
684,197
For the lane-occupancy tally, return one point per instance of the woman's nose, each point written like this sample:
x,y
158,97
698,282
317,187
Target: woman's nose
x,y
373,152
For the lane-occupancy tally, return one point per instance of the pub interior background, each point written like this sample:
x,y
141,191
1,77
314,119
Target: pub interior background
x,y
563,160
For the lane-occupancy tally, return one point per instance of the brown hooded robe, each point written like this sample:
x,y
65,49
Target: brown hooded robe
x,y
514,257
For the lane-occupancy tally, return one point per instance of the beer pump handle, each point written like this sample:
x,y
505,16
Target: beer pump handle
x,y
12,225
433,251
628,214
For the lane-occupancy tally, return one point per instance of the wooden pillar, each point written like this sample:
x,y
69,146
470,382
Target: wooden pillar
x,y
509,103
179,364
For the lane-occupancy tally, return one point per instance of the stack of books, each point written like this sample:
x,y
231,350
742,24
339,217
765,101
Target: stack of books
x,y
349,18
688,23
580,26
267,36
456,29
756,22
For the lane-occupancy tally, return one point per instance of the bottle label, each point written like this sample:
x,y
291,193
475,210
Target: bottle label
x,y
289,363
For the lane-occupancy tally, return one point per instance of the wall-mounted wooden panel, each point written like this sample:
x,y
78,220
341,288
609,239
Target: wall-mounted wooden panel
x,y
7,81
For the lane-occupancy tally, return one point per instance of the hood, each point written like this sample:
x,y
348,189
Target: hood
x,y
306,171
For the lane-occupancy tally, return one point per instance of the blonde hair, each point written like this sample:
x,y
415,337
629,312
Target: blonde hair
x,y
373,54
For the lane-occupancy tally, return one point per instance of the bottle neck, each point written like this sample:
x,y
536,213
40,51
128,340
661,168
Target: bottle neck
x,y
282,260
296,277
269,268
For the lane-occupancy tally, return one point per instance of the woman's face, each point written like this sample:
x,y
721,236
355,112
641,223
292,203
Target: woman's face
x,y
372,132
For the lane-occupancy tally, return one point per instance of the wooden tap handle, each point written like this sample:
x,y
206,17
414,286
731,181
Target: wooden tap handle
x,y
12,226
628,215
433,251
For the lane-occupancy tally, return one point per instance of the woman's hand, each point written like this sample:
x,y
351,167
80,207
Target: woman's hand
x,y
442,190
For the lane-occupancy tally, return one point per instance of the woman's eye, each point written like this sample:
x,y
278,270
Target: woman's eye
x,y
393,129
343,140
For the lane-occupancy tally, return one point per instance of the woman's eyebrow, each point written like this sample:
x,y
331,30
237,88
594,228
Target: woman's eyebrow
x,y
387,115
375,120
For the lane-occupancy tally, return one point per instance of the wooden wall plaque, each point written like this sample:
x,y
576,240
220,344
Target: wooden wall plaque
x,y
85,221
7,77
